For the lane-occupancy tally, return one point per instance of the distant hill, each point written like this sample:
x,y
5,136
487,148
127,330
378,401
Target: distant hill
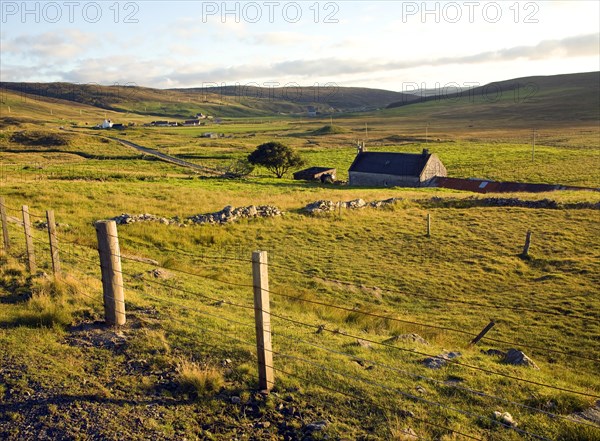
x,y
521,101
222,101
323,98
569,97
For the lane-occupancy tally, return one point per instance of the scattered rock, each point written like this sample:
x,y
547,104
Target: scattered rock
x,y
159,273
441,360
405,413
354,204
231,214
494,353
316,426
518,358
43,225
592,414
414,338
236,400
321,206
363,343
325,206
505,418
421,390
407,434
226,215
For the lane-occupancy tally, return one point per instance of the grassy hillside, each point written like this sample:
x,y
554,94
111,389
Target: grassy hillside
x,y
359,298
561,99
170,364
327,97
221,101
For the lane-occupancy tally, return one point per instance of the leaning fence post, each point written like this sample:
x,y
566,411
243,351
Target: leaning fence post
x,y
262,319
525,252
4,224
53,242
485,330
112,277
28,240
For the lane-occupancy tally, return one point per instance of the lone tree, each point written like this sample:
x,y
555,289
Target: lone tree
x,y
275,157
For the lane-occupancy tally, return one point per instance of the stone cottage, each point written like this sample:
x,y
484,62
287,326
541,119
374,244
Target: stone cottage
x,y
388,169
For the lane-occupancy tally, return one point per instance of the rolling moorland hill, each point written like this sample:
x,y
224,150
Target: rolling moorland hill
x,y
569,98
225,101
327,97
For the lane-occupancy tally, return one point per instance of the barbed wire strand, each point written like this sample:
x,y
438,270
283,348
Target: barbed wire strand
x,y
409,395
249,325
412,351
354,310
308,361
351,310
429,379
385,317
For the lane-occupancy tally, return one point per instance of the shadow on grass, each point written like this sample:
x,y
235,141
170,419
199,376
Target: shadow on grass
x,y
33,319
25,405
14,290
13,298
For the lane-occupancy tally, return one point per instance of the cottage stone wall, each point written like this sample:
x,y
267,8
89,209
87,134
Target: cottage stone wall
x,y
433,168
360,179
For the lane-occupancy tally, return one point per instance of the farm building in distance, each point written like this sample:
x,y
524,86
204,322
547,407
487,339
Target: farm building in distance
x,y
387,169
191,122
314,173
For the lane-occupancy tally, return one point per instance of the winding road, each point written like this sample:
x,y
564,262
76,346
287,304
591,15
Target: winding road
x,y
167,158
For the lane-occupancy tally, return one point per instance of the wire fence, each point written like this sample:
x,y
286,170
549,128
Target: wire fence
x,y
227,316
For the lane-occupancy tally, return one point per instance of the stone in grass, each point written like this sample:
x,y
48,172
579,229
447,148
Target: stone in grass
x,y
591,414
441,360
407,434
518,358
505,418
494,352
414,338
317,426
363,343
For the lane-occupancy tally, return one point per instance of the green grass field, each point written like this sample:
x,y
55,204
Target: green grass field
x,y
185,364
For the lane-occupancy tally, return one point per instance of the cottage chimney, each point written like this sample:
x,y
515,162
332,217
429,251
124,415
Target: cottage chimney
x,y
425,152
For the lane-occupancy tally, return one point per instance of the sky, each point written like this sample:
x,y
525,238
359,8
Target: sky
x,y
399,46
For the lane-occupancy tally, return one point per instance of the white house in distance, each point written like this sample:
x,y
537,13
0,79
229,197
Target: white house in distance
x,y
107,124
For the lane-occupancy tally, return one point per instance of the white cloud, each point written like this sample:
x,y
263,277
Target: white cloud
x,y
279,38
51,45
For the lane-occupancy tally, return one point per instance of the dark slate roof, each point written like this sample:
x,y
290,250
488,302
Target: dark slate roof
x,y
314,171
401,164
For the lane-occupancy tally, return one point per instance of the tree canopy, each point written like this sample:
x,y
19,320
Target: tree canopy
x,y
275,157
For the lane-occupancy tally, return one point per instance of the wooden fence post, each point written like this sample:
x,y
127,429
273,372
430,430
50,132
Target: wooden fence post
x,y
485,330
525,252
428,225
262,319
53,242
112,277
4,224
28,240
